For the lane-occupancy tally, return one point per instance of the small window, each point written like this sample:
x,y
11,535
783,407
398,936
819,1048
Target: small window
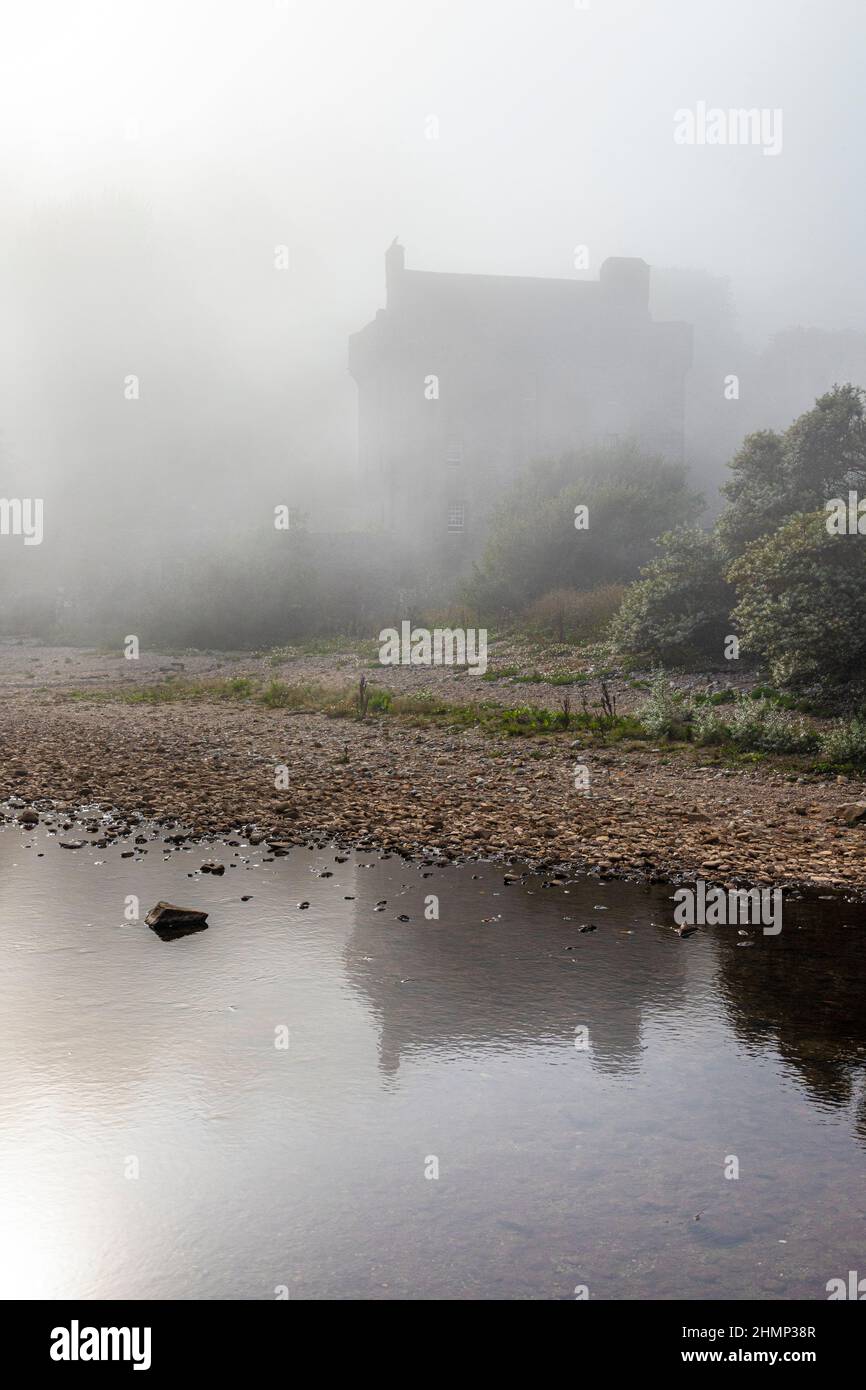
x,y
456,516
454,451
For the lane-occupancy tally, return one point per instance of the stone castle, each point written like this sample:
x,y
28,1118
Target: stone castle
x,y
464,379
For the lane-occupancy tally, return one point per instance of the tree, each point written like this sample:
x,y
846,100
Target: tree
x,y
776,476
802,605
679,611
537,540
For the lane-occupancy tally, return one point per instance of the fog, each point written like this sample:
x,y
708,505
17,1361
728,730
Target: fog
x,y
156,156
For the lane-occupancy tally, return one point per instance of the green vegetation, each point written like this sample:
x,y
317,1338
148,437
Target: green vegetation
x,y
844,744
678,613
770,574
535,556
172,691
776,476
754,726
802,606
579,615
663,714
342,702
321,646
512,673
741,726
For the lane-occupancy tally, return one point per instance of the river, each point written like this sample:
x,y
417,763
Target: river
x,y
331,1102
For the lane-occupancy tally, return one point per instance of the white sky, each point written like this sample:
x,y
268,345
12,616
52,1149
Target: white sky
x,y
233,126
555,128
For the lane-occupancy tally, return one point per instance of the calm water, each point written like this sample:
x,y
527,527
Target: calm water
x,y
261,1167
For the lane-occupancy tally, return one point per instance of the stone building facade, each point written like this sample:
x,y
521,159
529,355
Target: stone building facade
x,y
464,379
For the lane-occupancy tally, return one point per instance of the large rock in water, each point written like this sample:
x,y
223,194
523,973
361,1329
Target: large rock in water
x,y
169,920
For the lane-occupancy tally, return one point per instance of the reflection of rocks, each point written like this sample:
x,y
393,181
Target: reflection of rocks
x,y
460,984
804,994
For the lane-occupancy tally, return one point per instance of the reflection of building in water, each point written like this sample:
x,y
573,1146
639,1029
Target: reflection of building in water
x,y
506,985
804,999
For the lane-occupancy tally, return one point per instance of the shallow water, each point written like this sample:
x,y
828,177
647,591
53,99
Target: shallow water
x,y
304,1168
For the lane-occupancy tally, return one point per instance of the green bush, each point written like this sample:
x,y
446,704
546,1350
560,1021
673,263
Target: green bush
x,y
239,687
534,547
753,726
708,726
777,476
845,742
662,713
679,611
762,727
802,606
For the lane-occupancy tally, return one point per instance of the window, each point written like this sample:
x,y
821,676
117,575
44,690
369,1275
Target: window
x,y
456,516
453,450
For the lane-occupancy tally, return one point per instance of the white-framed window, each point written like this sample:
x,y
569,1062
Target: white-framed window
x,y
456,516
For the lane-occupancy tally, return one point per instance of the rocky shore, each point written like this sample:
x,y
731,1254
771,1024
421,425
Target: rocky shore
x,y
209,766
